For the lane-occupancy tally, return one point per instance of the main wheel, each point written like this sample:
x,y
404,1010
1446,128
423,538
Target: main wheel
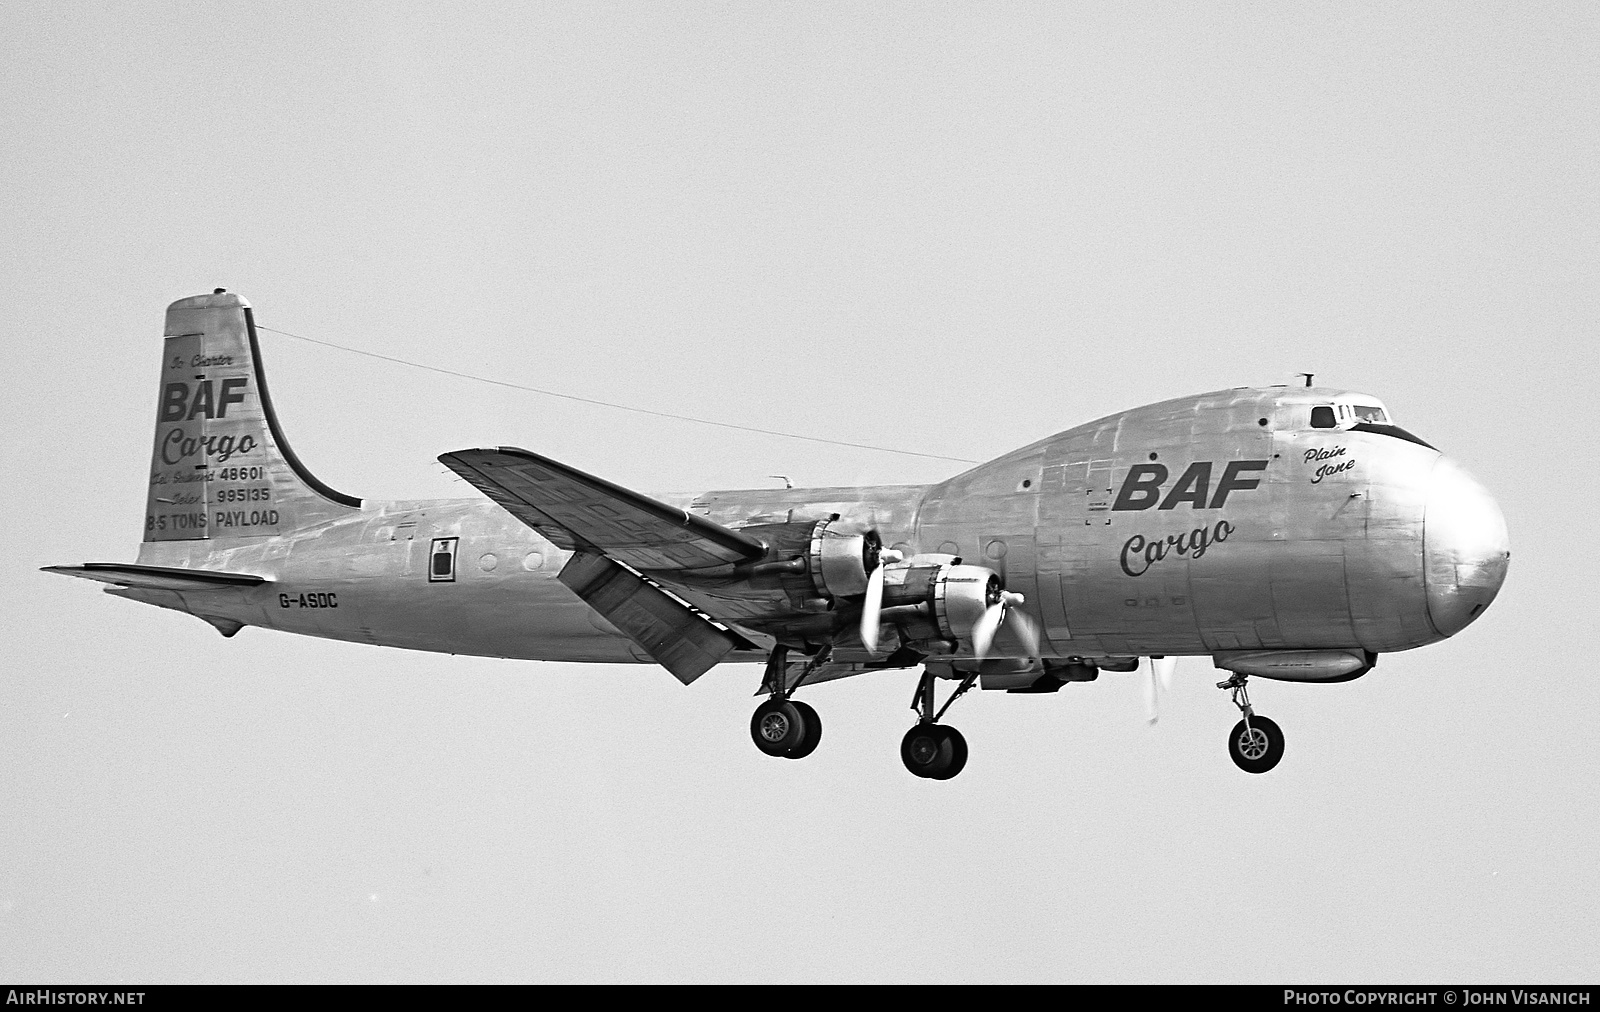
x,y
928,750
813,735
1256,748
958,755
777,727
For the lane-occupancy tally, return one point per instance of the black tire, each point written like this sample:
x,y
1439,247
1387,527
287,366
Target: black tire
x,y
813,736
958,754
927,750
777,727
1258,748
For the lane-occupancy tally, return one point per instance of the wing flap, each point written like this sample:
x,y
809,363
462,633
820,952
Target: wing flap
x,y
156,577
582,513
677,637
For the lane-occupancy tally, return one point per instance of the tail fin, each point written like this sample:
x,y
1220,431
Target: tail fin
x,y
221,468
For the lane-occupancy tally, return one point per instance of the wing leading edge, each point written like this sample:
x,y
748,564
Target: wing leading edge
x,y
582,513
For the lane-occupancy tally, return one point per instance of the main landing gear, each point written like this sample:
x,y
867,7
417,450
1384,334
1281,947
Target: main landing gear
x,y
932,750
782,726
1255,744
785,727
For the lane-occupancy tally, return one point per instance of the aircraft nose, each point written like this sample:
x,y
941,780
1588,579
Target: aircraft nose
x,y
1465,547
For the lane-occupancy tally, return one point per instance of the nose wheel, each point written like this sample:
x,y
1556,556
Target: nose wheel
x,y
1256,743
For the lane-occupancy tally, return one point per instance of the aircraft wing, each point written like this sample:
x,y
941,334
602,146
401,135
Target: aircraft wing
x,y
156,577
582,513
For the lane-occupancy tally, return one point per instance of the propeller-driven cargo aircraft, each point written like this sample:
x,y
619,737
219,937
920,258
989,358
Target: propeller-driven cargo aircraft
x,y
1283,532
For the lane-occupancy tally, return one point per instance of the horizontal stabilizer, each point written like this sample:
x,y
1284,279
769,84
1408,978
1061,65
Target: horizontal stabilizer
x,y
156,577
582,513
679,639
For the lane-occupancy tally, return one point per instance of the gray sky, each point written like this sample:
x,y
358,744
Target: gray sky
x,y
943,228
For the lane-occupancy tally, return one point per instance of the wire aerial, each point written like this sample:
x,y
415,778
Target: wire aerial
x,y
611,404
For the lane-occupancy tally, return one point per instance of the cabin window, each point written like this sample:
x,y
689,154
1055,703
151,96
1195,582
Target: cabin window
x,y
1322,417
1371,413
442,560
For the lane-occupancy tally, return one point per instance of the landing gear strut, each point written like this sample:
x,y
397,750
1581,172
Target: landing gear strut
x,y
1256,743
932,750
782,726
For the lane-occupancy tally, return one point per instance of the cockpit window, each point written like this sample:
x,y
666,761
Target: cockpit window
x,y
1370,413
1322,417
1391,430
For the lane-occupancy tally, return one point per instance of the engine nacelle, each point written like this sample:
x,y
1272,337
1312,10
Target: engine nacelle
x,y
948,597
841,558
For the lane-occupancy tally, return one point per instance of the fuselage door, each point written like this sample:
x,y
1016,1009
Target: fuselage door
x,y
442,560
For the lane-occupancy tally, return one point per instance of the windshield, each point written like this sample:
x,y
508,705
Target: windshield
x,y
1370,413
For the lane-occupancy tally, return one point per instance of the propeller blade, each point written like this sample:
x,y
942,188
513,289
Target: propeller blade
x,y
1164,667
871,608
984,629
1152,708
1027,630
1158,684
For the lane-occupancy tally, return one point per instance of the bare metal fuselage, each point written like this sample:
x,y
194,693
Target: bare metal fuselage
x,y
1208,524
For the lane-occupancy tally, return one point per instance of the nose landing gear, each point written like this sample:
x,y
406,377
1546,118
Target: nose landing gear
x,y
1256,743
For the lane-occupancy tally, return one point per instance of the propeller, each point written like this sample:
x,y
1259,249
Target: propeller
x,y
994,616
1158,684
872,607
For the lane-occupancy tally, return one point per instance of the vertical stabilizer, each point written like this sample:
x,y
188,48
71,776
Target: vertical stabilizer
x,y
221,468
